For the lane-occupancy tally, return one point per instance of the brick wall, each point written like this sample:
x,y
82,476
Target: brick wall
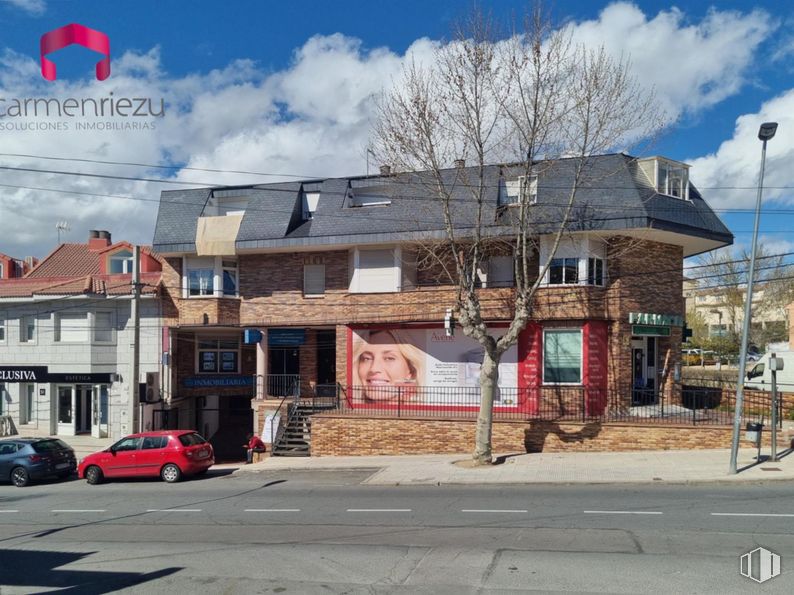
x,y
340,435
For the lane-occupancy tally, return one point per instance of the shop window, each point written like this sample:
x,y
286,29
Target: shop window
x,y
564,271
218,355
27,403
2,396
562,356
71,327
2,329
64,404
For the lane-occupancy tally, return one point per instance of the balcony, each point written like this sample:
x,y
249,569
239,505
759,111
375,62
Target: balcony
x,y
209,311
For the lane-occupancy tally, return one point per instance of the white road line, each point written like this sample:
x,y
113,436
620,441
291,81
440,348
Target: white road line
x,y
378,510
770,514
173,510
2,511
491,510
272,510
78,510
622,512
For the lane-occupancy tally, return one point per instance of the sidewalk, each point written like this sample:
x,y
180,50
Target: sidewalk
x,y
587,468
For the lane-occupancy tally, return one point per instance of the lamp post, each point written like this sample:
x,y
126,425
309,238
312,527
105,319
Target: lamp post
x,y
765,133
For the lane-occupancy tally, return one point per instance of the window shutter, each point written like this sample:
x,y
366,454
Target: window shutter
x,y
73,328
376,271
314,279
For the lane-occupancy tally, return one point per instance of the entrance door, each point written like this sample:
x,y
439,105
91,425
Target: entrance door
x,y
99,410
83,418
326,363
65,406
284,369
643,364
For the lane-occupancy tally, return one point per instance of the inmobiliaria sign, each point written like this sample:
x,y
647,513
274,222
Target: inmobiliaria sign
x,y
103,112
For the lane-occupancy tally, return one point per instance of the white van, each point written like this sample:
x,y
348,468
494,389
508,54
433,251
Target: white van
x,y
759,376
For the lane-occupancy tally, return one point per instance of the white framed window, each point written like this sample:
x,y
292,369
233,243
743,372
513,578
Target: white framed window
x,y
564,271
2,328
313,280
672,179
27,329
104,331
595,271
71,327
512,191
120,262
227,202
376,270
562,356
218,355
210,276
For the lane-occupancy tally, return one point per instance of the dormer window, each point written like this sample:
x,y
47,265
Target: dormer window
x,y
670,178
227,202
310,202
361,198
120,262
521,189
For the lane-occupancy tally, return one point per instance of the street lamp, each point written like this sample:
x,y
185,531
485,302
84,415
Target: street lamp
x,y
765,133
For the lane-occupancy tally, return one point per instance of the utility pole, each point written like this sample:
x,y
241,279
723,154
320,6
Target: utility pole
x,y
136,338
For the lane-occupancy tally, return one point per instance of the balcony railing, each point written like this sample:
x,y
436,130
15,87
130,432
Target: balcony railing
x,y
277,385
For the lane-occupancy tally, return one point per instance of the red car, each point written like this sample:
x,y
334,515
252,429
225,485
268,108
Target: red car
x,y
169,454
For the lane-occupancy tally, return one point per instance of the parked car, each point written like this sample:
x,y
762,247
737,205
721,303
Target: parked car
x,y
759,376
23,460
169,454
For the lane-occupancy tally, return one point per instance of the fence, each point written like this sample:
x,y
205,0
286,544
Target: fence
x,y
278,385
696,406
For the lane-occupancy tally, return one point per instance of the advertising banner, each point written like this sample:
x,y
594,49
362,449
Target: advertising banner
x,y
423,366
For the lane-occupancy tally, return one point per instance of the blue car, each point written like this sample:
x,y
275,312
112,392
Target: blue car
x,y
23,460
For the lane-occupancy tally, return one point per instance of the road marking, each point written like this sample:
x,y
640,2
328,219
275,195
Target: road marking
x,y
2,511
272,510
173,510
78,510
491,510
622,512
378,510
750,514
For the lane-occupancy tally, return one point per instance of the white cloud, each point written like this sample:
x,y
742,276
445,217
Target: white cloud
x,y
729,176
691,66
311,118
34,7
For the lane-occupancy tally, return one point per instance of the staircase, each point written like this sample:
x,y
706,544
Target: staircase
x,y
294,438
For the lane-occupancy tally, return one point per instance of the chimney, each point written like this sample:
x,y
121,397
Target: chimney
x,y
460,163
98,240
385,170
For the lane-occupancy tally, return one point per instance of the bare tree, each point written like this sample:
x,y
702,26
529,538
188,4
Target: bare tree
x,y
525,99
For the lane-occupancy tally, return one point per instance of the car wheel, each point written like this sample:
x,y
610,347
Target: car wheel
x,y
20,477
93,475
171,473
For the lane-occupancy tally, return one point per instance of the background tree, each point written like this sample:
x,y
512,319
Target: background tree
x,y
527,98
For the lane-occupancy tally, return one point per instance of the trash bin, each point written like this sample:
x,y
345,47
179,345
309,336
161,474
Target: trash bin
x,y
753,431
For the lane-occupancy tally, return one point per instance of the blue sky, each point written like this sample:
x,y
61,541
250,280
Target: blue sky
x,y
235,68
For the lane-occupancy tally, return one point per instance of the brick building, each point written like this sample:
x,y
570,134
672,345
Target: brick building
x,y
65,340
328,269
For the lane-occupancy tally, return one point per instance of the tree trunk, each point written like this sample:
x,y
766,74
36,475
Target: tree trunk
x,y
489,378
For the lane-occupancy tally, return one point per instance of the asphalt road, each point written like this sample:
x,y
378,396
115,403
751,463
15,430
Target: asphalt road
x,y
322,532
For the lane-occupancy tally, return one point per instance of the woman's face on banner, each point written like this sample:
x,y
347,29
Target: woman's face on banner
x,y
382,367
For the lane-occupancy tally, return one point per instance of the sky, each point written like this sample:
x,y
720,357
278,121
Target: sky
x,y
288,88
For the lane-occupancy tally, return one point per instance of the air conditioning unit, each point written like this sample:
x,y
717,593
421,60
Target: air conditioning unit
x,y
152,387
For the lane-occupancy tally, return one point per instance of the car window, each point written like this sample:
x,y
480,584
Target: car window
x,y
191,439
49,445
127,444
758,370
8,448
153,442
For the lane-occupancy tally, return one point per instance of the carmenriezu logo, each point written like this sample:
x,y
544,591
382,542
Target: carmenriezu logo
x,y
95,113
70,35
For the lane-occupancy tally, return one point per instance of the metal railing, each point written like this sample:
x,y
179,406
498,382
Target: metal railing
x,y
690,406
277,385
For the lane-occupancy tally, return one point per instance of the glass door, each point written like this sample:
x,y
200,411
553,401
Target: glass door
x,y
66,407
99,411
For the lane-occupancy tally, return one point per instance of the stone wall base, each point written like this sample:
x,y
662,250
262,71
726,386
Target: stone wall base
x,y
340,435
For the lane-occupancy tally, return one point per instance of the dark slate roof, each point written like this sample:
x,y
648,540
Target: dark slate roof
x,y
613,195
